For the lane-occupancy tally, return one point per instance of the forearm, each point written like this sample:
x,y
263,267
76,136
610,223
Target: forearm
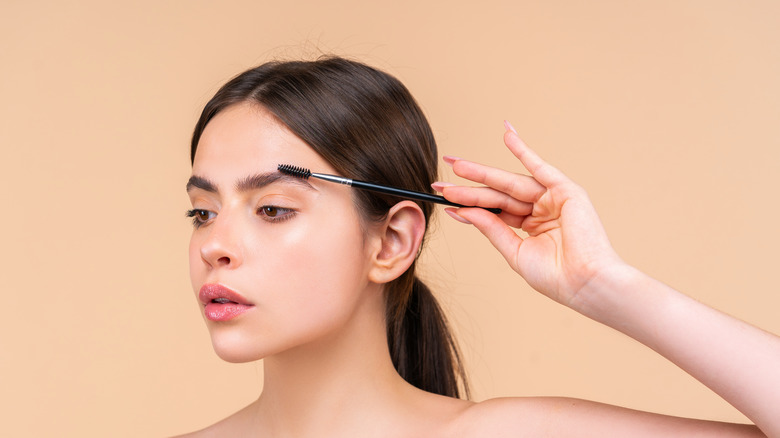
x,y
739,362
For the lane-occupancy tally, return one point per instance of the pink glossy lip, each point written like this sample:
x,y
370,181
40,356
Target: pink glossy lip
x,y
221,303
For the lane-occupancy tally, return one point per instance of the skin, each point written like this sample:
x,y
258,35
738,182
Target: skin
x,y
318,320
275,262
567,257
316,280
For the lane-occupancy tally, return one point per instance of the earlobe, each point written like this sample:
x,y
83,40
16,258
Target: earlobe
x,y
400,237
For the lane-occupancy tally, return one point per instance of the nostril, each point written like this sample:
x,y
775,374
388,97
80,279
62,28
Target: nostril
x,y
223,260
220,249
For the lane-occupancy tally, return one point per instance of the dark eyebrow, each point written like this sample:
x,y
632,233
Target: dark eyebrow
x,y
261,180
197,182
252,182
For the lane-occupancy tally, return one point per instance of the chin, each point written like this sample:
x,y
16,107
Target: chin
x,y
233,356
236,354
233,350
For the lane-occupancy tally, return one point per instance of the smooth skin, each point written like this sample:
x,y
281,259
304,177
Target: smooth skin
x,y
314,272
567,257
327,369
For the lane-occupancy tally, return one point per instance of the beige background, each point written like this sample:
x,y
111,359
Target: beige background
x,y
666,111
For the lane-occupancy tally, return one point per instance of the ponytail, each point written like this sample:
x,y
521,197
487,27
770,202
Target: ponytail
x,y
423,350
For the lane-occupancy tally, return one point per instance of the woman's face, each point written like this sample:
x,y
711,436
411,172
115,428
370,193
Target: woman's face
x,y
276,262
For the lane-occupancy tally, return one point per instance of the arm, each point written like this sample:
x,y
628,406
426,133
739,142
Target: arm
x,y
567,257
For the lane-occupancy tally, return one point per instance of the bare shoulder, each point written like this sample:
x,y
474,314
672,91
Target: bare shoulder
x,y
568,417
505,417
208,432
218,429
230,426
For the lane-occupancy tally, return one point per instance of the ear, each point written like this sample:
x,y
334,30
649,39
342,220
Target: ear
x,y
398,241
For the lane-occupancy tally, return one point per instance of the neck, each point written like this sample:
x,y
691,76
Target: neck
x,y
339,383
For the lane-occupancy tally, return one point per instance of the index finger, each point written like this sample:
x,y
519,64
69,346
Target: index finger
x,y
544,173
520,187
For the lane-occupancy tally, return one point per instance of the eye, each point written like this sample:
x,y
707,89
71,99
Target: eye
x,y
199,216
273,213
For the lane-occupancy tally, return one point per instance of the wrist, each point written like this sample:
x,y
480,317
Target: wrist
x,y
607,291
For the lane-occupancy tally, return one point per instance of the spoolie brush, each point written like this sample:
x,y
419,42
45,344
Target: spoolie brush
x,y
304,173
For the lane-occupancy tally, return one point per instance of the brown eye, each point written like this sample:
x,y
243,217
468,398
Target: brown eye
x,y
200,217
272,213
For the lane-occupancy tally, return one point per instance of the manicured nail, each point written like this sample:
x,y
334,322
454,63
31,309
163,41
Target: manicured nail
x,y
440,185
451,212
510,127
449,159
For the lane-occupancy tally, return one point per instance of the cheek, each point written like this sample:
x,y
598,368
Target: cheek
x,y
307,278
195,261
315,272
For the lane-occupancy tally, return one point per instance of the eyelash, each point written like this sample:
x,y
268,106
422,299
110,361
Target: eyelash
x,y
195,214
287,213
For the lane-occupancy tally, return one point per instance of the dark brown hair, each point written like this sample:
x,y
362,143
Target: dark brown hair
x,y
367,125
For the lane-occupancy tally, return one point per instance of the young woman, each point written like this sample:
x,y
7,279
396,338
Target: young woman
x,y
318,279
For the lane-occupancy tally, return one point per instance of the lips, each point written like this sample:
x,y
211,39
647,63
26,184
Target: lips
x,y
221,303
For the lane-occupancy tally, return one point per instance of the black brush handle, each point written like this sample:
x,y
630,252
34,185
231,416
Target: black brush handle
x,y
410,194
402,193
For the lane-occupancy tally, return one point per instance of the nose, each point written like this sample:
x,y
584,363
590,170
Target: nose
x,y
221,247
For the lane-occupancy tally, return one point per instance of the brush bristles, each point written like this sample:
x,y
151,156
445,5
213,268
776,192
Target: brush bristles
x,y
300,172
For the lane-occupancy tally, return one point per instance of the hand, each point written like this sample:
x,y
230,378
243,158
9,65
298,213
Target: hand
x,y
566,246
567,256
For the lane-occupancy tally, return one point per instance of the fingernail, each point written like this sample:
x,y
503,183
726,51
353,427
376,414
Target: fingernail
x,y
449,159
510,127
439,185
451,212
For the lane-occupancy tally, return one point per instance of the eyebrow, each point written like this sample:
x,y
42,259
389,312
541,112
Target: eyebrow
x,y
252,182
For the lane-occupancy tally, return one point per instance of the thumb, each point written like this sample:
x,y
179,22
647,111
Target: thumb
x,y
500,235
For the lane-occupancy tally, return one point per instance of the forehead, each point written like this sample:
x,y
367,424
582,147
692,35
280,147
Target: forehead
x,y
246,139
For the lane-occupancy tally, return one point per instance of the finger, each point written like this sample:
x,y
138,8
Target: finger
x,y
483,197
503,238
521,187
544,173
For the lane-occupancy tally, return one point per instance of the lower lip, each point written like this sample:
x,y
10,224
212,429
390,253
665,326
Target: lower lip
x,y
226,311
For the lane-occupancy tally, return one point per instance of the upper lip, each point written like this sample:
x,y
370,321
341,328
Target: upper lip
x,y
212,291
